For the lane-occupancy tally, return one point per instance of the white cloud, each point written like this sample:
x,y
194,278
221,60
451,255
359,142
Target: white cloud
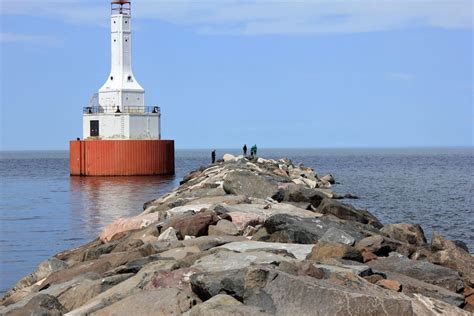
x,y
259,17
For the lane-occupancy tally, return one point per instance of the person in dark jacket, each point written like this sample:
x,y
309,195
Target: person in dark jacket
x,y
245,150
213,156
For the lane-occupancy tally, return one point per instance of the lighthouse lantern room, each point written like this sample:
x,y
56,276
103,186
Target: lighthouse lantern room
x,y
117,116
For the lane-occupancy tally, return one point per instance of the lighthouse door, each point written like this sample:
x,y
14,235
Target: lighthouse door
x,y
94,127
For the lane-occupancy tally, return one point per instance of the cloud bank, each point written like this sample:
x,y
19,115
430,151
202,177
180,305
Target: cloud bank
x,y
265,17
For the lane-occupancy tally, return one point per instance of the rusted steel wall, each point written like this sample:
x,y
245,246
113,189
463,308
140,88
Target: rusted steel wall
x,y
121,157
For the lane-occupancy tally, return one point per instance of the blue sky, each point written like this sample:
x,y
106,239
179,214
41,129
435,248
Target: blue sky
x,y
277,73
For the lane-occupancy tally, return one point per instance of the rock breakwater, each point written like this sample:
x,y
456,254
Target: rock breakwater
x,y
252,237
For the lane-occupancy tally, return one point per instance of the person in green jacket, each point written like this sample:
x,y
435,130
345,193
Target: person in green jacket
x,y
253,151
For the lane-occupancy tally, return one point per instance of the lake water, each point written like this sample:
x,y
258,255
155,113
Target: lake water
x,y
43,210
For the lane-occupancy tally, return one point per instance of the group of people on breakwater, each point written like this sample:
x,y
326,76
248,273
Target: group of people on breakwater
x,y
253,152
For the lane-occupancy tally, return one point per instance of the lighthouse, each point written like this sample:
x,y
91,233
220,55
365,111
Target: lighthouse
x,y
121,134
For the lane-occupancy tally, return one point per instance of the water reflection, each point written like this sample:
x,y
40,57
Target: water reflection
x,y
97,201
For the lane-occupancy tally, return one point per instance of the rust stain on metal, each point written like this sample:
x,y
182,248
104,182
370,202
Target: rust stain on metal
x,y
121,157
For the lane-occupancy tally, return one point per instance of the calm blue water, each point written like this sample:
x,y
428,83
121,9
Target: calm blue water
x,y
44,211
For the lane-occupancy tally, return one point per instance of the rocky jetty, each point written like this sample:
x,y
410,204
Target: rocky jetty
x,y
252,237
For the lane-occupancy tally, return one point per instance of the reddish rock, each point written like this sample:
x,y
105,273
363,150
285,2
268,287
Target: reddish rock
x,y
379,245
123,225
179,278
308,269
373,278
368,256
469,299
325,250
194,224
242,219
407,233
390,285
449,255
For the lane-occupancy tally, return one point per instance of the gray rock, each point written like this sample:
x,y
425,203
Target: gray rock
x,y
229,260
284,294
42,304
292,229
208,242
421,270
224,305
378,244
207,285
348,212
407,233
78,295
123,289
169,301
298,251
336,235
335,266
247,183
223,227
411,286
299,193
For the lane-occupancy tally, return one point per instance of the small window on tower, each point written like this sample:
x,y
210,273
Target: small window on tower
x,y
129,78
111,77
115,40
126,22
126,40
114,21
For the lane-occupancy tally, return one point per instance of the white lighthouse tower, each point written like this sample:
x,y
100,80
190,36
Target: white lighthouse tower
x,y
118,111
121,135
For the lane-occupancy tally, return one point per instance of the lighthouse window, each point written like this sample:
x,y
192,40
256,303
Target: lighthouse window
x,y
126,40
111,77
126,22
115,40
129,78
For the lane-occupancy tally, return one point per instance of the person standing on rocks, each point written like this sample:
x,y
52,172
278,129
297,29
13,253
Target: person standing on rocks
x,y
245,150
213,156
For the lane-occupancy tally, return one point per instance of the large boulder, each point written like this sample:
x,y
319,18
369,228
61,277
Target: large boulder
x,y
43,270
192,224
168,301
86,290
207,285
421,270
293,229
243,182
325,250
300,252
411,285
225,260
378,244
179,278
208,242
225,305
284,294
42,304
121,226
126,288
224,227
407,233
348,212
448,254
291,192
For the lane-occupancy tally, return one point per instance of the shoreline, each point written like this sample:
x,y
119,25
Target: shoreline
x,y
242,199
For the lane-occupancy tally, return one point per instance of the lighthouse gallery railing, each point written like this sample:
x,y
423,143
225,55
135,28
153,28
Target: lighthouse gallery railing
x,y
123,109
